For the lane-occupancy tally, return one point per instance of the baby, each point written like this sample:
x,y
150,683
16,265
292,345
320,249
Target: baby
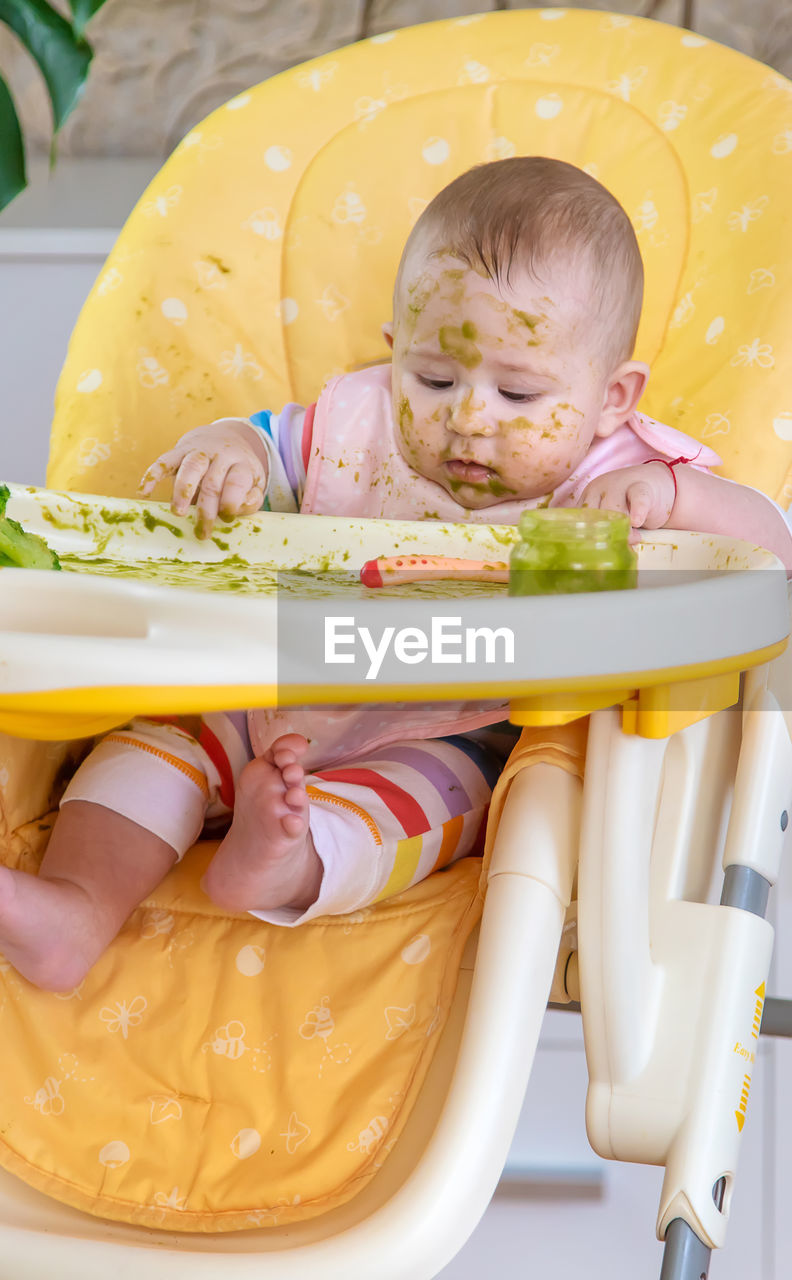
x,y
512,385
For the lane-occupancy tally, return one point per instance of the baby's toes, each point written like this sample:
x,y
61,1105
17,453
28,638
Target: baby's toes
x,y
294,742
293,824
293,775
257,781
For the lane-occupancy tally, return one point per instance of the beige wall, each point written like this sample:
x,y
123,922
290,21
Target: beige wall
x,y
161,65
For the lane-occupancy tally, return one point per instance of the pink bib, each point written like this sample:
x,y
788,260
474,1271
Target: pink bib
x,y
355,467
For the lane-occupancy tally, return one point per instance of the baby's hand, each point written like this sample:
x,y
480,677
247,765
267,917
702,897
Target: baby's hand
x,y
217,467
645,493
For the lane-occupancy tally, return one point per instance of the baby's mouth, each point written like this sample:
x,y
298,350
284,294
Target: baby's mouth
x,y
468,472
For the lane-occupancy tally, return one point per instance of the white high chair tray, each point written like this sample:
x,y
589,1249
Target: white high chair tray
x,y
241,613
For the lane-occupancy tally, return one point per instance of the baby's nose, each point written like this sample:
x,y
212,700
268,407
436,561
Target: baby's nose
x,y
468,417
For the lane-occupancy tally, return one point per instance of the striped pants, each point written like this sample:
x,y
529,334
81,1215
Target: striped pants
x,y
378,824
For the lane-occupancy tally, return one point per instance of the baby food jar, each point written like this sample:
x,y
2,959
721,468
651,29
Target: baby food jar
x,y
564,549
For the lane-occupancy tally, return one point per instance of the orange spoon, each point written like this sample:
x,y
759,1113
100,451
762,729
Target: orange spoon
x,y
391,571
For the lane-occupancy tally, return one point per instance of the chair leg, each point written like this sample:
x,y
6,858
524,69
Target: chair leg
x,y
685,1257
777,1017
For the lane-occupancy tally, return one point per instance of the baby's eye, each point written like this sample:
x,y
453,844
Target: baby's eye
x,y
518,397
436,384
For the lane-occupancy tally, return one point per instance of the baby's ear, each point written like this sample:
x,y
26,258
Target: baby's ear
x,y
387,333
624,390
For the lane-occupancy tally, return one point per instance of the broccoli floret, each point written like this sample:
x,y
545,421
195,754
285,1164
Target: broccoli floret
x,y
19,549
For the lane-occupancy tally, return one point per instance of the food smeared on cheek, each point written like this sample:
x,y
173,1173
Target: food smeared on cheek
x,y
405,414
409,445
518,423
558,425
553,428
563,422
460,343
530,431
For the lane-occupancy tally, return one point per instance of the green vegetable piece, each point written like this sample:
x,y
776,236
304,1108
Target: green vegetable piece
x,y
20,549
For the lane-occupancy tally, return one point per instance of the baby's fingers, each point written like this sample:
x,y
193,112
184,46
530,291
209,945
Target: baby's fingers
x,y
166,465
639,502
253,502
591,497
242,492
191,479
609,500
208,501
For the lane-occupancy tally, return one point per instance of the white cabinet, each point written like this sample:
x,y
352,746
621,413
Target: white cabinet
x,y
53,241
42,290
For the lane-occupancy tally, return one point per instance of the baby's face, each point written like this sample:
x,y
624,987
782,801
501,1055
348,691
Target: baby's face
x,y
497,389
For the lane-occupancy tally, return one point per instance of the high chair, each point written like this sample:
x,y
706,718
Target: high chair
x,y
257,263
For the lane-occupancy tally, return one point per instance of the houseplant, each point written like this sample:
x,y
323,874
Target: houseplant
x,y
58,45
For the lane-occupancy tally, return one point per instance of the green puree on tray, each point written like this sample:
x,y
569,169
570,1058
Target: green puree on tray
x,y
18,549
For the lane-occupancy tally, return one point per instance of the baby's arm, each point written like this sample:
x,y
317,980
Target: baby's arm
x,y
700,501
714,505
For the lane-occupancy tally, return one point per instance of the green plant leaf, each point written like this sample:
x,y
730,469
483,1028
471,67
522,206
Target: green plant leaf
x,y
12,152
62,57
82,12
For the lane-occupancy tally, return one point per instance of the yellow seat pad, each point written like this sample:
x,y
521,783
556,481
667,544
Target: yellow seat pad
x,y
214,1073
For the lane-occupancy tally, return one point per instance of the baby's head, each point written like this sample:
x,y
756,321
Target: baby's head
x,y
515,310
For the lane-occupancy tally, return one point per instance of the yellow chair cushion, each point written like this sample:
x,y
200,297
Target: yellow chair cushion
x,y
214,1073
261,259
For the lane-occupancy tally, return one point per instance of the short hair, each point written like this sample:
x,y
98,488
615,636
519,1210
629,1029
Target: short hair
x,y
529,210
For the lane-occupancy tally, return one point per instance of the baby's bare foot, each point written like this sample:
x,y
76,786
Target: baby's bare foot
x,y
268,859
48,930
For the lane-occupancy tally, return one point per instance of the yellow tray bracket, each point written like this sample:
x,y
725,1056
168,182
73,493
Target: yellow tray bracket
x,y
659,710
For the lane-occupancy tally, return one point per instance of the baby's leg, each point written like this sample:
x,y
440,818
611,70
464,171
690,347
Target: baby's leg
x,y
98,867
268,857
376,825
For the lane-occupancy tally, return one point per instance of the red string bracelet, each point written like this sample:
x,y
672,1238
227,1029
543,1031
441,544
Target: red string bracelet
x,y
675,462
